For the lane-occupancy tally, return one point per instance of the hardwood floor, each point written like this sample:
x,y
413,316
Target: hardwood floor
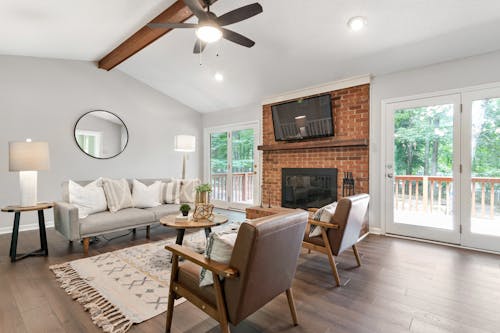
x,y
402,286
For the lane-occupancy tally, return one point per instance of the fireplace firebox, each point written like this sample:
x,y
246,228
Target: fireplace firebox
x,y
308,187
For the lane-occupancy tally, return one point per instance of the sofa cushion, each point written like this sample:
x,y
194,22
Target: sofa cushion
x,y
107,221
164,210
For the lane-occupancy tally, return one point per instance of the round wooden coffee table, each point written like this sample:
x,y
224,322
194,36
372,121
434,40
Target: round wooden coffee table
x,y
181,225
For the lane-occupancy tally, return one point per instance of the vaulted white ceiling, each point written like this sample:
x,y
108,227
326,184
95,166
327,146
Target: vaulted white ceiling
x,y
298,42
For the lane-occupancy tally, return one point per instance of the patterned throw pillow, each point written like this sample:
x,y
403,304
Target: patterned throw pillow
x,y
219,248
172,192
117,193
323,214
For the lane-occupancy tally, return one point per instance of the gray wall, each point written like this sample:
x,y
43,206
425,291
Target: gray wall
x,y
440,77
42,99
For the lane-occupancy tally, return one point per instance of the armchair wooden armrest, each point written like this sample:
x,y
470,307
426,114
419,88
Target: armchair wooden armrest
x,y
324,224
198,259
312,210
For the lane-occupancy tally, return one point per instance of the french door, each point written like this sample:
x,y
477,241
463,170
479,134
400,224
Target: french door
x,y
481,169
232,165
442,168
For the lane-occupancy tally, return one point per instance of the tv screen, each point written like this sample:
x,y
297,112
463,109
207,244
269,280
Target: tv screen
x,y
303,119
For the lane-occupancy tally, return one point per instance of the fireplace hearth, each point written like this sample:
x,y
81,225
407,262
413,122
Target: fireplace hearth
x,y
308,187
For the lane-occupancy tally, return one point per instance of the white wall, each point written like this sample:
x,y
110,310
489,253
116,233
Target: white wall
x,y
232,116
440,77
42,99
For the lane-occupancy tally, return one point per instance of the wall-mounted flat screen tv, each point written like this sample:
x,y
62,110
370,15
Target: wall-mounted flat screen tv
x,y
303,119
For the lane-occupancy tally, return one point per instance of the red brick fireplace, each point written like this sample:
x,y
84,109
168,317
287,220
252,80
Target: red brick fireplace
x,y
346,151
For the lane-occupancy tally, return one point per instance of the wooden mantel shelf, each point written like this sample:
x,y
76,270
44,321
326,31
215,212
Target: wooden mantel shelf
x,y
315,144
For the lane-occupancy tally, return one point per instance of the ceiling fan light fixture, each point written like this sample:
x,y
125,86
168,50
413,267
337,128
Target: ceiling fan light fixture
x,y
208,33
357,23
219,77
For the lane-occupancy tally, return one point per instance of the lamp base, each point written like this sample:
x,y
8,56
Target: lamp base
x,y
28,182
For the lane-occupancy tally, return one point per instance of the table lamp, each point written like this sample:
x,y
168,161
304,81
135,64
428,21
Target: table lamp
x,y
28,158
186,144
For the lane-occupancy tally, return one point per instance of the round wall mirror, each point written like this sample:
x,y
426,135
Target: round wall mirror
x,y
101,134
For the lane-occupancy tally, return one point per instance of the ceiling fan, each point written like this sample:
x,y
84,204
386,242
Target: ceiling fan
x,y
209,28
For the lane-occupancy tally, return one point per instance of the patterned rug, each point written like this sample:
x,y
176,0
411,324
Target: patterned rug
x,y
127,286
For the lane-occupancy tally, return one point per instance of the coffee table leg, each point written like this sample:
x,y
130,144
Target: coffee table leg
x,y
207,232
180,236
15,233
43,233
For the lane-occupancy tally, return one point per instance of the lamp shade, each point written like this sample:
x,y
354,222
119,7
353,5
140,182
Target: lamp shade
x,y
185,143
28,156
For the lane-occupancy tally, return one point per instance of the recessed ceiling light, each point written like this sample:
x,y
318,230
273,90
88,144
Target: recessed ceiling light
x,y
357,23
218,77
208,33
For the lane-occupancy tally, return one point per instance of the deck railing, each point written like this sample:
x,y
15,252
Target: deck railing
x,y
242,189
434,194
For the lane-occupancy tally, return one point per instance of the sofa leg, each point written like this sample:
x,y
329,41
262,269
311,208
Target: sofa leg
x,y
148,232
86,243
134,231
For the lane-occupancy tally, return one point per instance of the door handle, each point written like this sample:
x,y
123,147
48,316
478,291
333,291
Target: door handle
x,y
390,175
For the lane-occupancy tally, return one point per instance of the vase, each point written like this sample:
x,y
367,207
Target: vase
x,y
202,197
185,213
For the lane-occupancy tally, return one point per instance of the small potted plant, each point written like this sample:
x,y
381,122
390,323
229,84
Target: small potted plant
x,y
203,193
185,208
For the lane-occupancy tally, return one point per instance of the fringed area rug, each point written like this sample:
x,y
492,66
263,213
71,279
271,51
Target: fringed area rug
x,y
120,288
127,286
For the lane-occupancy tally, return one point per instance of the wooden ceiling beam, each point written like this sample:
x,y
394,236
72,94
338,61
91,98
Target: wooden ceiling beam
x,y
178,12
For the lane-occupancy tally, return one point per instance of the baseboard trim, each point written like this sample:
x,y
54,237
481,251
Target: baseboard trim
x,y
25,227
422,240
376,231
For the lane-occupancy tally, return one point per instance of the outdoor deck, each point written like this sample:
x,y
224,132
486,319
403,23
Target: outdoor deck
x,y
427,201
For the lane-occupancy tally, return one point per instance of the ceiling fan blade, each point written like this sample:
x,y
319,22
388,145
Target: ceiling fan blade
x,y
237,38
199,46
196,8
172,25
240,14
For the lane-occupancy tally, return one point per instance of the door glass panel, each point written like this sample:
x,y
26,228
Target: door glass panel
x,y
423,166
485,168
218,165
242,143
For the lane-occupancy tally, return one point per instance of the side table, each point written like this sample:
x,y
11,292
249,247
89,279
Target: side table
x,y
17,210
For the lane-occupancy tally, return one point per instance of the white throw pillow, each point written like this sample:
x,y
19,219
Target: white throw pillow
x,y
172,192
88,199
144,196
219,248
117,194
323,214
188,190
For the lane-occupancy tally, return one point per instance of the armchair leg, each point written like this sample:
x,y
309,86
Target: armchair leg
x,y
291,304
86,244
171,293
221,305
331,259
356,254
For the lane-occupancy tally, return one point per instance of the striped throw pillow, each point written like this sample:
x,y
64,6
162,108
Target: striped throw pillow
x,y
323,214
172,191
117,193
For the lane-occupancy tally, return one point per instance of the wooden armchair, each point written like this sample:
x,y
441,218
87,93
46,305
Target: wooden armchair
x,y
342,232
262,266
